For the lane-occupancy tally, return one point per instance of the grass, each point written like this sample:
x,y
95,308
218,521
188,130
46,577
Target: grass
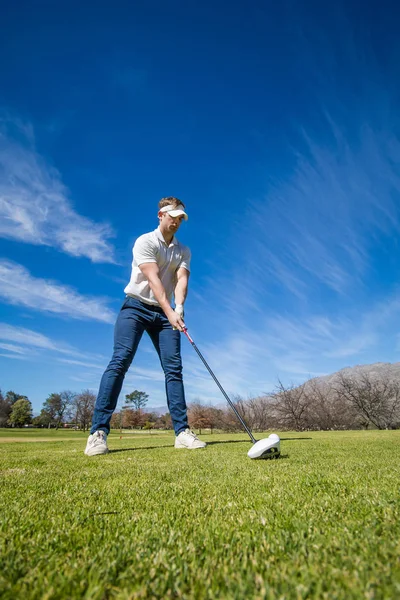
x,y
148,521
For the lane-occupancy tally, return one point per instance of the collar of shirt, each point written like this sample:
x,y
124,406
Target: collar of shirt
x,y
160,236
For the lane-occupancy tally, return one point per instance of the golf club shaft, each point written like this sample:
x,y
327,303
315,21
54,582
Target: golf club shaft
x,y
233,407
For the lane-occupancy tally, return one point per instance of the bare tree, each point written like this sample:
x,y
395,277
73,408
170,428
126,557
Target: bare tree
x,y
215,416
163,422
261,412
56,407
199,416
133,418
66,406
327,409
84,408
376,400
291,406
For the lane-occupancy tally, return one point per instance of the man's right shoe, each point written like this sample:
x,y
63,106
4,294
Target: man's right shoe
x,y
96,444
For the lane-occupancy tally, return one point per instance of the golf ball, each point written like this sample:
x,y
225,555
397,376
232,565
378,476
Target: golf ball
x,y
274,437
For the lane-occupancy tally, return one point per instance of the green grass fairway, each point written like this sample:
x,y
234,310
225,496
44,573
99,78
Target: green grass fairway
x,y
149,521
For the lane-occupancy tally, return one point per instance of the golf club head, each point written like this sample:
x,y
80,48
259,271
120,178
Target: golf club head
x,y
269,447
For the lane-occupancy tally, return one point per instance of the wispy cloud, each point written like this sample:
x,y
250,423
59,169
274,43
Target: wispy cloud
x,y
19,287
13,348
13,356
21,343
312,287
34,203
321,225
26,339
81,363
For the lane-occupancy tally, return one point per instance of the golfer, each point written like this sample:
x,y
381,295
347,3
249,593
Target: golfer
x,y
160,270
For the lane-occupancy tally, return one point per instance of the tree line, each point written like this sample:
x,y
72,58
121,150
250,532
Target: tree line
x,y
58,409
76,410
345,402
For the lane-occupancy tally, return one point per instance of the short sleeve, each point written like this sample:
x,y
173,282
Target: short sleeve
x,y
186,256
144,250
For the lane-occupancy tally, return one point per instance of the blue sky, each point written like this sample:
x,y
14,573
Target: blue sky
x,y
278,126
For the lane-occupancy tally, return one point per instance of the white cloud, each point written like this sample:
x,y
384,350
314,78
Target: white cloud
x,y
144,373
81,363
13,348
19,287
15,356
27,339
34,203
27,344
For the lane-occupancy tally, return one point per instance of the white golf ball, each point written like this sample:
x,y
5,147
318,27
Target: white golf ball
x,y
274,437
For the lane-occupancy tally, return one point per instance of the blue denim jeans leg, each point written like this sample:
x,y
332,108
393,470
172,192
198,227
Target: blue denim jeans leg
x,y
134,319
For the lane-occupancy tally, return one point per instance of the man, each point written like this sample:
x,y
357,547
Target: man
x,y
160,270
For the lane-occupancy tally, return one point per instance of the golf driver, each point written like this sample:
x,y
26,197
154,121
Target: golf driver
x,y
268,447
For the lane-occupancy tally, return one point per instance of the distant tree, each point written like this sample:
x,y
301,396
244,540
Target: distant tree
x,y
133,415
136,399
327,409
21,413
42,420
163,422
5,410
375,399
226,418
116,420
84,408
291,406
199,416
50,408
261,412
58,405
151,417
135,419
12,397
215,416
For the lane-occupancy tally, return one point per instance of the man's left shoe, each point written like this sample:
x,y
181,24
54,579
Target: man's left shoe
x,y
97,444
189,440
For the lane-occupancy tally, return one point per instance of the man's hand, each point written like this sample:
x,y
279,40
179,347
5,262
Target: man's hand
x,y
176,321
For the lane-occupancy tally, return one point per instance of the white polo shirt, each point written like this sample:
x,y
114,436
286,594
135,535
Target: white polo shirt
x,y
151,247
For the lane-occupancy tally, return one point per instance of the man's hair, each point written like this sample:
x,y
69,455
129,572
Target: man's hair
x,y
170,200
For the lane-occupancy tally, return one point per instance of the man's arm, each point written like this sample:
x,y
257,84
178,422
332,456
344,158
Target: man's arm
x,y
151,272
181,288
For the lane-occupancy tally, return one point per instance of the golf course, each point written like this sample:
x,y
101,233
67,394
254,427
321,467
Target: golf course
x,y
149,521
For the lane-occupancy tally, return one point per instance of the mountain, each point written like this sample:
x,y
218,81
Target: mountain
x,y
376,370
159,410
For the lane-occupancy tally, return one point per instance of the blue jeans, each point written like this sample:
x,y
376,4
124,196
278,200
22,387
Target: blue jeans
x,y
134,318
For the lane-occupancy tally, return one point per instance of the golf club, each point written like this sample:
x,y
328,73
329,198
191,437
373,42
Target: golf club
x,y
266,448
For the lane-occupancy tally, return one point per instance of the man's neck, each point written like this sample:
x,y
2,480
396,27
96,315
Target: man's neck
x,y
168,237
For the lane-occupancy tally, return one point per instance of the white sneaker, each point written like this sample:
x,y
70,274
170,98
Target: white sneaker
x,y
96,444
188,439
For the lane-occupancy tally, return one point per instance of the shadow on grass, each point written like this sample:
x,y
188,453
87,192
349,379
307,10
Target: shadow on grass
x,y
229,442
171,446
139,448
208,444
294,439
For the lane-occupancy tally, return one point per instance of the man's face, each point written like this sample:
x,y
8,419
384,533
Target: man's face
x,y
170,224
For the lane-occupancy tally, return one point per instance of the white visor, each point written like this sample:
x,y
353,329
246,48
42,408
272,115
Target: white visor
x,y
175,211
